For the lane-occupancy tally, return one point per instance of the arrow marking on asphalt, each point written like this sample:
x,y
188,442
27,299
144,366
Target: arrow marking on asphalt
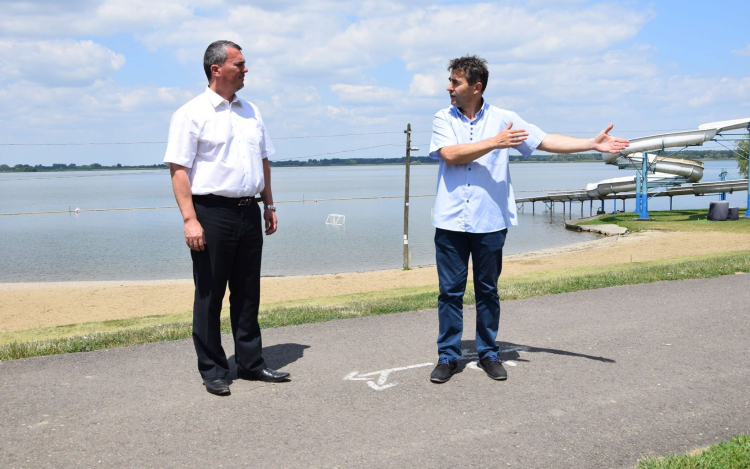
x,y
382,375
467,355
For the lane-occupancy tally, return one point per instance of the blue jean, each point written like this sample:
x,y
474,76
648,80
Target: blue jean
x,y
452,250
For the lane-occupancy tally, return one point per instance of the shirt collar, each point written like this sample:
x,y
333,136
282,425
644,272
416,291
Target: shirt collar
x,y
480,114
216,100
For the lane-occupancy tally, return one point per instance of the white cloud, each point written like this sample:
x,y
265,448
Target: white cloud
x,y
57,62
321,66
367,94
353,116
319,39
427,85
425,36
23,19
83,110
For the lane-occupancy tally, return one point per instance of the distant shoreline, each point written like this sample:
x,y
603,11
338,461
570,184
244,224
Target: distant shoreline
x,y
714,155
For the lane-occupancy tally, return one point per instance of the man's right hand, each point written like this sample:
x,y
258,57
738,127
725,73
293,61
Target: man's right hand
x,y
194,237
510,137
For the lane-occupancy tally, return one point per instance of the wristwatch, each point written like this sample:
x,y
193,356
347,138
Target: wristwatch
x,y
269,207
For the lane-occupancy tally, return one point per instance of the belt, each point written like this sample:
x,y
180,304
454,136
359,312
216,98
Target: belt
x,y
238,201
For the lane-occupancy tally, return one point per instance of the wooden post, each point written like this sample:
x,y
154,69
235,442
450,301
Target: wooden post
x,y
407,263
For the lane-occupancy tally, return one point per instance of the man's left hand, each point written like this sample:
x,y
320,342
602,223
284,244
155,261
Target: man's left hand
x,y
269,216
608,144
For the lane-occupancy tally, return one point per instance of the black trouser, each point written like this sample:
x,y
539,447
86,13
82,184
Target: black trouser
x,y
234,242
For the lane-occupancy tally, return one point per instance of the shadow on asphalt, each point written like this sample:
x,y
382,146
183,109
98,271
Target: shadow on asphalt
x,y
276,356
510,351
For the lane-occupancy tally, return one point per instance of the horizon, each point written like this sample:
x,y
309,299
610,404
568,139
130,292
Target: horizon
x,y
280,163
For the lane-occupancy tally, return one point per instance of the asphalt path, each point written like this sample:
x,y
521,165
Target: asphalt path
x,y
597,379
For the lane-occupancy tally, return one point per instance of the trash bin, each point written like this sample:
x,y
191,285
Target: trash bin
x,y
734,213
718,211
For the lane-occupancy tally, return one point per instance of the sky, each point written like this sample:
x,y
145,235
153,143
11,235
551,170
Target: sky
x,y
342,79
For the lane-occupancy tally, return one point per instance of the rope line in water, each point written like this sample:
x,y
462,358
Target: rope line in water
x,y
337,199
175,206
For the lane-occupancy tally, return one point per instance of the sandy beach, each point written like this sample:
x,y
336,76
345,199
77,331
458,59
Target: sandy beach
x,y
31,305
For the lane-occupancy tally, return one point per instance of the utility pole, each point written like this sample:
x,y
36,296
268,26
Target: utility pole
x,y
407,263
747,155
409,149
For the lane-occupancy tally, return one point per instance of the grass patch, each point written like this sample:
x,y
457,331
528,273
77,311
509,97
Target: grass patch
x,y
116,325
173,327
674,220
732,454
91,328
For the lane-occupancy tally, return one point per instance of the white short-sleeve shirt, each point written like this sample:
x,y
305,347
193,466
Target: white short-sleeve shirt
x,y
477,197
222,143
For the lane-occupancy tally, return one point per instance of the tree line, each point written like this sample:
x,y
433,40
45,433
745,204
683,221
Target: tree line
x,y
415,160
39,168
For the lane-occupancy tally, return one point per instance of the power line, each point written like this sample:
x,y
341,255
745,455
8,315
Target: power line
x,y
164,142
75,144
26,144
340,135
342,151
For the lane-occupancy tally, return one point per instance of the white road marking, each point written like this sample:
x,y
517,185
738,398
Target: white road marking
x,y
380,388
382,376
473,365
473,356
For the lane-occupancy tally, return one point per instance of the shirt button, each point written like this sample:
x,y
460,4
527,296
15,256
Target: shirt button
x,y
469,169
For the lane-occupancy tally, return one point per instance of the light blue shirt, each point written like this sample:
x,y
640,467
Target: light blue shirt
x,y
477,197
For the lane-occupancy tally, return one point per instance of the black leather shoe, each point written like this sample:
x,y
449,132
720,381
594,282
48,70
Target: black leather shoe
x,y
218,386
443,371
268,375
493,368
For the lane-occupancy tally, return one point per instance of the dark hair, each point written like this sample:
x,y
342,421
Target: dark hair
x,y
216,54
473,67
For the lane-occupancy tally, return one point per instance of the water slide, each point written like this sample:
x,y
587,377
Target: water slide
x,y
668,171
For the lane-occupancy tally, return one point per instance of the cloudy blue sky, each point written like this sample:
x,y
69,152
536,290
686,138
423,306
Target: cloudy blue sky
x,y
88,71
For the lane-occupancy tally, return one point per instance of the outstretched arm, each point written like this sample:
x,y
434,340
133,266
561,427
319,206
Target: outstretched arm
x,y
605,143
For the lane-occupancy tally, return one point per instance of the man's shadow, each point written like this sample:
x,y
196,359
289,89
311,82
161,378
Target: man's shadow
x,y
275,356
511,351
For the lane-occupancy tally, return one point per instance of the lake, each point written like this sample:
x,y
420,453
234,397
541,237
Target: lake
x,y
148,244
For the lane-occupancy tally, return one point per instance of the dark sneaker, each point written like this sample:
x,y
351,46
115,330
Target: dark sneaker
x,y
443,371
493,367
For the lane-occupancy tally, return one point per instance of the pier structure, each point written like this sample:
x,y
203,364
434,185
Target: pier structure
x,y
583,196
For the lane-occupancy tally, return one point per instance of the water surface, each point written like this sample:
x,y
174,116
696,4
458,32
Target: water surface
x,y
148,244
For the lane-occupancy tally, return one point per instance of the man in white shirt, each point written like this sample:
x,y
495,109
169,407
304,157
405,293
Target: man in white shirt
x,y
475,205
218,152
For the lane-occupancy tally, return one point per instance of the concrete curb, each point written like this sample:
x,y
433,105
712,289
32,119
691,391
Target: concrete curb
x,y
606,230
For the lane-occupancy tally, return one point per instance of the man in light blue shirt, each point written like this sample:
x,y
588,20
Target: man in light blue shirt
x,y
475,205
